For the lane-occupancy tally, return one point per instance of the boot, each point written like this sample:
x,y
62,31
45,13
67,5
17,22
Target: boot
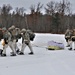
x,y
1,51
31,53
17,51
13,54
3,55
20,53
68,46
70,49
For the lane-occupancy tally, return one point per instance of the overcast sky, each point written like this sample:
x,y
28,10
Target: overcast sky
x,y
27,3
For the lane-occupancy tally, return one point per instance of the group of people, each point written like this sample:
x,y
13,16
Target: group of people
x,y
70,38
10,38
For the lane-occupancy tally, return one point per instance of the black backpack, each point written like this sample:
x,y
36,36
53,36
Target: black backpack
x,y
32,36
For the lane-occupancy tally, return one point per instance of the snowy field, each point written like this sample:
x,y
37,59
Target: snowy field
x,y
43,62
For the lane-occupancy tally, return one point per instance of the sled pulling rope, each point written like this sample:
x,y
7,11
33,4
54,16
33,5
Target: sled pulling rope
x,y
39,46
52,46
45,47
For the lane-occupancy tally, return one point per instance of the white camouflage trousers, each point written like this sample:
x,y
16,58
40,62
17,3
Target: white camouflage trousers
x,y
11,45
24,45
72,44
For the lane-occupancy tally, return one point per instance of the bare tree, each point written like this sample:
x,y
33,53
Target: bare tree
x,y
36,15
5,14
63,7
6,9
36,9
39,7
20,11
50,8
32,8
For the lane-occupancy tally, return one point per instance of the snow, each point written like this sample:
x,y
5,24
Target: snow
x,y
43,62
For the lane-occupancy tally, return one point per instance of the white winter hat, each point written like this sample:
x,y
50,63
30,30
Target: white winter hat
x,y
23,30
12,27
4,28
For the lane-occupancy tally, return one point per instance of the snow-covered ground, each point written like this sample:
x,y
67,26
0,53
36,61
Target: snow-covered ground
x,y
43,62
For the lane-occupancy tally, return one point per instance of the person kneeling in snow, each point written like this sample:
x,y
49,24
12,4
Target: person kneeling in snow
x,y
25,42
68,34
72,40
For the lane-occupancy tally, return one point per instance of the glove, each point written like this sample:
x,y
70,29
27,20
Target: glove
x,y
3,42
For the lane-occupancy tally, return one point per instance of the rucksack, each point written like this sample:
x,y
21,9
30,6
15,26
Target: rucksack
x,y
31,35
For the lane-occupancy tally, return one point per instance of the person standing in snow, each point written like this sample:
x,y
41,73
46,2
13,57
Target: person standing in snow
x,y
15,33
68,34
7,42
18,36
31,34
25,42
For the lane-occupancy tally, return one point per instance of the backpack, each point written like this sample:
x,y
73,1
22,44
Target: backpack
x,y
31,35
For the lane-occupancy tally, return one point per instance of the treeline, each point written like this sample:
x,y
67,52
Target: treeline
x,y
57,18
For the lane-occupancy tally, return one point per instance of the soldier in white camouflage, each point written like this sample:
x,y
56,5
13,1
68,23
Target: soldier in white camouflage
x,y
7,42
25,42
68,34
72,40
15,32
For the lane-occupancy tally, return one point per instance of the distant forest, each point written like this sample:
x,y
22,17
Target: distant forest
x,y
57,18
